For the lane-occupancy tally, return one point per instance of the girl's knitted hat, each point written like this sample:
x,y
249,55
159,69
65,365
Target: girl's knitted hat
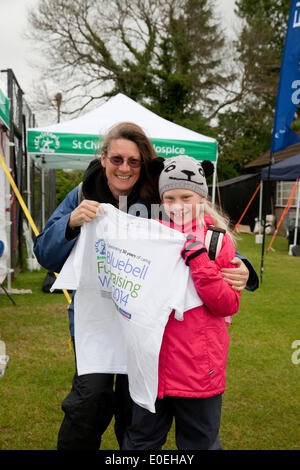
x,y
182,172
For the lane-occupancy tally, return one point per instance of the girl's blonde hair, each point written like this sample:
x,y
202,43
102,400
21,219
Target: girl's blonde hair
x,y
220,218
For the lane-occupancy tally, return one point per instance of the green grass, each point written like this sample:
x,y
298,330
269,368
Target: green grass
x,y
261,407
261,403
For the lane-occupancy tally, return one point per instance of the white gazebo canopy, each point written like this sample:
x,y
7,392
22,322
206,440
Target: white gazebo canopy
x,y
73,144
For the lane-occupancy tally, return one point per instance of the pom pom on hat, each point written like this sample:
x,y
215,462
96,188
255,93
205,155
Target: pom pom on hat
x,y
208,168
156,165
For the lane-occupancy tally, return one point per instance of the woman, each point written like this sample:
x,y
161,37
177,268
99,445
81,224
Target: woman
x,y
122,171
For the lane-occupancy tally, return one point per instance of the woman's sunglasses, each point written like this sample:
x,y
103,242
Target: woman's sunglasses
x,y
132,162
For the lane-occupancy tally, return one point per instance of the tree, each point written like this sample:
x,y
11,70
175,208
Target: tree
x,y
261,46
274,12
191,68
245,131
65,182
241,138
171,56
165,54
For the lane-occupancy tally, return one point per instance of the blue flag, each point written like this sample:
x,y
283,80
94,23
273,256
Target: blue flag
x,y
288,96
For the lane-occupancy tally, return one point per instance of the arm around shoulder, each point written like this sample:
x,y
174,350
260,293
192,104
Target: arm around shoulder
x,y
253,281
219,297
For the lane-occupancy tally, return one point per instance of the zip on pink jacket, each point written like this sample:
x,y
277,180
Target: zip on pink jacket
x,y
193,355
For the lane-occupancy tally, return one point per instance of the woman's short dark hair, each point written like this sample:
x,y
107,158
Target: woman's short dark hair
x,y
130,131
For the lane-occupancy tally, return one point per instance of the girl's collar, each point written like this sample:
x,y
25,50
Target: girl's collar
x,y
192,226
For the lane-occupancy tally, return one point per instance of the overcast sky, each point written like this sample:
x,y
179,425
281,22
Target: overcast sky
x,y
15,51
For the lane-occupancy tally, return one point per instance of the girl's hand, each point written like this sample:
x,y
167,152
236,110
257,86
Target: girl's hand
x,y
236,277
192,248
85,212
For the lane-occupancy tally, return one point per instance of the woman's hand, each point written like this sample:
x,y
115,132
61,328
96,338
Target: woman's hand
x,y
85,212
236,277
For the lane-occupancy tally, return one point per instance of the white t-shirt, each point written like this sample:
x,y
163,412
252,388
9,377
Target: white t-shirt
x,y
129,276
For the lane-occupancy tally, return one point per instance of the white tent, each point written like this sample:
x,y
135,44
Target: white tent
x,y
73,144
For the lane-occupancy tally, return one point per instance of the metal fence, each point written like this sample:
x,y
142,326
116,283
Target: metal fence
x,y
25,173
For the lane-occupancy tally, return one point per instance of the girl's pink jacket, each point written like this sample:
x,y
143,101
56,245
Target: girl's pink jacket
x,y
194,351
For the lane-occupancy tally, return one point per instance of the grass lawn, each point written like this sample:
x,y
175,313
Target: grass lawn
x,y
261,406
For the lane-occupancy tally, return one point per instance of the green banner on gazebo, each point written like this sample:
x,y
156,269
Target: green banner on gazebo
x,y
50,143
4,110
74,143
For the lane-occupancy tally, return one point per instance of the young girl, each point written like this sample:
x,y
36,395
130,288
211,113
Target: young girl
x,y
193,355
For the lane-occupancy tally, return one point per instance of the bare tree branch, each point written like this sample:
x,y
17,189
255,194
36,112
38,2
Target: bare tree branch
x,y
156,51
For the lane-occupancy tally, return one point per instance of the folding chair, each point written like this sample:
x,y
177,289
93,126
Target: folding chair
x,y
2,286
